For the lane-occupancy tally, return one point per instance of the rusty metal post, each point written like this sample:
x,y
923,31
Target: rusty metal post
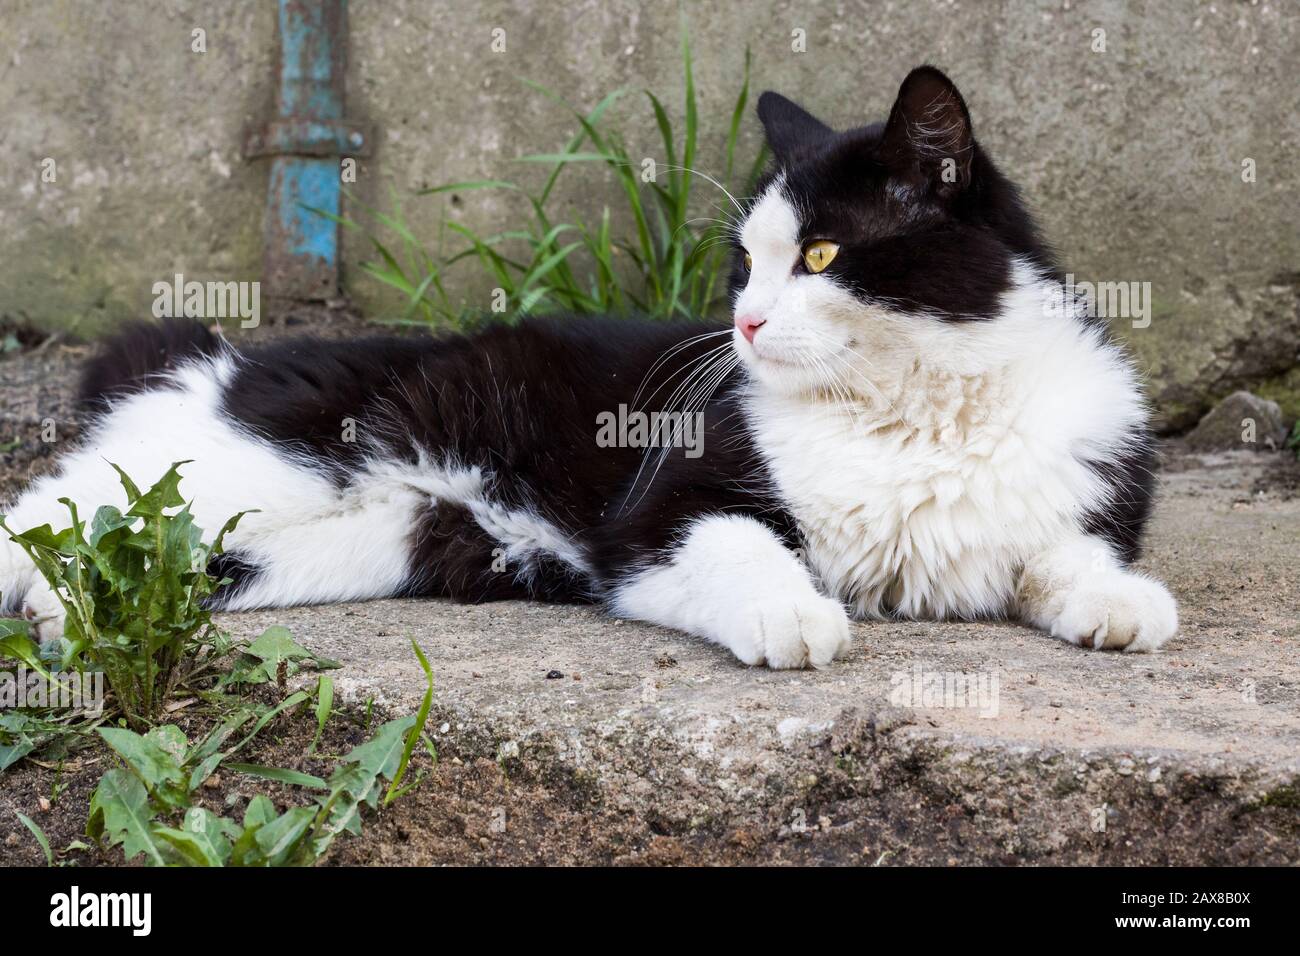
x,y
306,141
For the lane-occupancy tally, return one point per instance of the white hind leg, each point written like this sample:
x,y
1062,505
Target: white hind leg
x,y
316,544
349,544
310,540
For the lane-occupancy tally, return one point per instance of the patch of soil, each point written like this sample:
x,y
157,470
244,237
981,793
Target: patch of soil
x,y
464,811
17,335
1281,478
37,411
57,796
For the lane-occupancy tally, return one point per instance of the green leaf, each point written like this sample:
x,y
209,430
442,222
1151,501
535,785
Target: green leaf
x,y
738,114
356,781
171,739
278,839
260,661
16,643
280,775
324,706
10,754
204,840
219,542
37,832
259,810
382,754
120,810
165,493
276,643
132,491
107,521
245,852
220,734
293,700
155,765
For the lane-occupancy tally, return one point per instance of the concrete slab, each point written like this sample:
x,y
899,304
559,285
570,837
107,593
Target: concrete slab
x,y
1189,755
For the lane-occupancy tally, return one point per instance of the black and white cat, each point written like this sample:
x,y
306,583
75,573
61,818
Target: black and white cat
x,y
907,419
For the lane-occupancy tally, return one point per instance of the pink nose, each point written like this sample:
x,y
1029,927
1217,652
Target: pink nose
x,y
749,325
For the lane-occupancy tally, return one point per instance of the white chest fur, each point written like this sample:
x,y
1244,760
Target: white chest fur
x,y
928,502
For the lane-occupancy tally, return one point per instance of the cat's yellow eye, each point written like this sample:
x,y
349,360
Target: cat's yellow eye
x,y
749,262
818,255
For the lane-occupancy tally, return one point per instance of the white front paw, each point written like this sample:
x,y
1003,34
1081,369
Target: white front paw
x,y
1119,611
789,633
44,613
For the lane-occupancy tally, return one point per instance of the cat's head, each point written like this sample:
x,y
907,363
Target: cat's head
x,y
865,249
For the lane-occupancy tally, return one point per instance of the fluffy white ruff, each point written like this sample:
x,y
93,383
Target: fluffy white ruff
x,y
930,463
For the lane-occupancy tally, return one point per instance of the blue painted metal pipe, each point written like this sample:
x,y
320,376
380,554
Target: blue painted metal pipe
x,y
306,141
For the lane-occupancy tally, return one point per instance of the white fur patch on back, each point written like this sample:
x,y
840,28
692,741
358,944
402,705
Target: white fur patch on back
x,y
523,534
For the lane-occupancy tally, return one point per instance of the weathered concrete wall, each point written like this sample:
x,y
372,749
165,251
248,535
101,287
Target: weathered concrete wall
x,y
144,135
1132,157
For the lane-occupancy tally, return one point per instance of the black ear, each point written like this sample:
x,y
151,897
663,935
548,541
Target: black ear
x,y
928,141
790,129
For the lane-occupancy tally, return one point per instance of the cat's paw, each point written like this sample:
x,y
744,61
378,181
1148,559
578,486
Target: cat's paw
x,y
44,613
1119,611
786,633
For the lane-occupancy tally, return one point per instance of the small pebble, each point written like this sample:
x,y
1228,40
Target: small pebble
x,y
553,675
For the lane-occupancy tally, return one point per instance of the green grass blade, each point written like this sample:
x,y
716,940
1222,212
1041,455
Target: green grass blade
x,y
566,158
587,123
737,115
467,186
39,834
417,729
692,121
279,775
324,707
666,134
